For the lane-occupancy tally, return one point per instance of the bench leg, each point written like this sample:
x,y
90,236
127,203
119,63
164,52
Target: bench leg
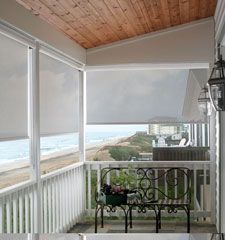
x,y
126,222
102,217
159,220
188,220
96,219
130,215
157,225
156,220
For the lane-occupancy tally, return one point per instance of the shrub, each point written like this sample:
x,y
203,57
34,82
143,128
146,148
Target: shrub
x,y
122,153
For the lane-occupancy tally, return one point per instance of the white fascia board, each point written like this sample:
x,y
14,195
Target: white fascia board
x,y
189,43
146,66
20,18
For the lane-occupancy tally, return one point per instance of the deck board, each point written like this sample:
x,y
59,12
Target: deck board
x,y
143,226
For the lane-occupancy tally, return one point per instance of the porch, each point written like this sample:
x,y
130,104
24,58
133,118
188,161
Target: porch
x,y
68,201
153,78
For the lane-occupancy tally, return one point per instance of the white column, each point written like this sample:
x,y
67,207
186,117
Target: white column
x,y
82,114
221,166
189,132
203,135
212,144
34,130
195,134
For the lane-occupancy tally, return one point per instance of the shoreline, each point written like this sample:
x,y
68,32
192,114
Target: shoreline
x,y
13,173
57,154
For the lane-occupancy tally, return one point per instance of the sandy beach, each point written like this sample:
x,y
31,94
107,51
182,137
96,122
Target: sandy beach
x,y
17,172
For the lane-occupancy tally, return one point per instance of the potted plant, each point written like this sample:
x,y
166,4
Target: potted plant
x,y
116,194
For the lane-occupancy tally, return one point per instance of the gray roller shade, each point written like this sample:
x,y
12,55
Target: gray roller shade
x,y
13,89
140,96
59,95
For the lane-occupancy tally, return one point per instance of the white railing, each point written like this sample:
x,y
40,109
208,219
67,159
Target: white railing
x,y
63,202
65,198
201,179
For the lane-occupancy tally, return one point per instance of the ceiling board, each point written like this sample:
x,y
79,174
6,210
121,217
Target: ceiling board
x,y
93,23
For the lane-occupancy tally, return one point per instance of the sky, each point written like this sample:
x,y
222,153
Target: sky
x,y
135,95
117,128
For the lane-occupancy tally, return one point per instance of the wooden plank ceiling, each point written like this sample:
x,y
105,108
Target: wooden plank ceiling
x,y
93,23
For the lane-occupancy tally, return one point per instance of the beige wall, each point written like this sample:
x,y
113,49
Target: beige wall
x,y
190,43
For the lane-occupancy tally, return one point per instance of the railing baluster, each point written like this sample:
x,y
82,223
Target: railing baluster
x,y
70,183
80,191
27,230
67,200
89,189
99,178
45,204
53,206
76,189
204,190
49,197
15,213
74,196
166,186
195,190
58,213
64,202
8,214
1,216
185,185
176,183
31,195
156,184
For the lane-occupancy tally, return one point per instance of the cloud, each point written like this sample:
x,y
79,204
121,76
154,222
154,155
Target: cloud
x,y
135,96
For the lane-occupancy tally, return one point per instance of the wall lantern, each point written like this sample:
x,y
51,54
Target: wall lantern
x,y
204,103
216,85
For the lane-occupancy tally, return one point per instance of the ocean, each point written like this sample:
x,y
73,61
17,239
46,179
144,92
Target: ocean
x,y
18,150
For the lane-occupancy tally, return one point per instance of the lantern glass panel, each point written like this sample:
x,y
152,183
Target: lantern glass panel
x,y
218,96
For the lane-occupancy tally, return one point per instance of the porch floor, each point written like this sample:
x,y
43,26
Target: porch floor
x,y
144,226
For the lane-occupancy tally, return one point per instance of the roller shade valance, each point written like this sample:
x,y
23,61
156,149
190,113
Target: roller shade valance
x,y
13,89
141,96
59,96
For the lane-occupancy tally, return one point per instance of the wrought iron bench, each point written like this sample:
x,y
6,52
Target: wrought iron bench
x,y
144,189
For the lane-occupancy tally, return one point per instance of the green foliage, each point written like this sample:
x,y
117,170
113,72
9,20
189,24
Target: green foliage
x,y
143,142
124,179
123,153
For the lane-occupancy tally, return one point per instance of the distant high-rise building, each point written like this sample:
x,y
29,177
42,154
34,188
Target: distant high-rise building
x,y
165,129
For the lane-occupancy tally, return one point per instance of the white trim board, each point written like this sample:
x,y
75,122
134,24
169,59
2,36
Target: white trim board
x,y
146,66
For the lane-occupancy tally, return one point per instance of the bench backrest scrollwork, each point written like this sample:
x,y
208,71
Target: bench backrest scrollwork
x,y
152,184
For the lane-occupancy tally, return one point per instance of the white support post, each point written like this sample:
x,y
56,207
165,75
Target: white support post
x,y
82,114
221,167
195,135
34,130
212,141
203,135
189,132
